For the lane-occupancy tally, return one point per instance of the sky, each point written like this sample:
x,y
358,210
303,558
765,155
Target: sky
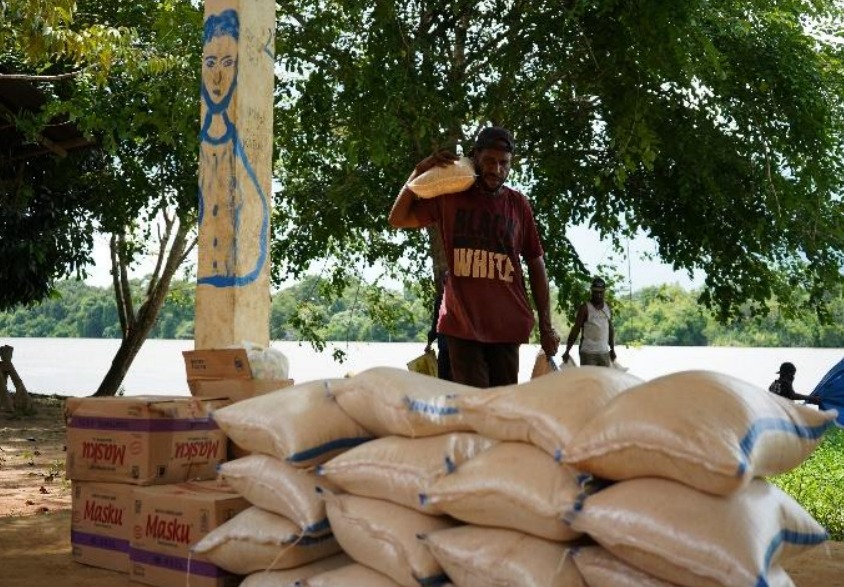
x,y
638,270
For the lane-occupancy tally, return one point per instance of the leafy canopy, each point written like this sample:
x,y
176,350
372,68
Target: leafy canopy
x,y
713,127
127,75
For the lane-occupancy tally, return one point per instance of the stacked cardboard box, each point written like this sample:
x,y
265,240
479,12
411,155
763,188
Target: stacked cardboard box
x,y
100,526
167,520
226,373
115,445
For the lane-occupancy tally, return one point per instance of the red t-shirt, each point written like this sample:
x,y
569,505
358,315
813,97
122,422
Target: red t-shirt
x,y
484,237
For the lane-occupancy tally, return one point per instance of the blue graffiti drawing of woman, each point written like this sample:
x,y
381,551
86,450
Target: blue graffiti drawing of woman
x,y
231,203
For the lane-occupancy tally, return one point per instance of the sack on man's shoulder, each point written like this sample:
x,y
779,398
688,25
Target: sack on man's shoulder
x,y
426,364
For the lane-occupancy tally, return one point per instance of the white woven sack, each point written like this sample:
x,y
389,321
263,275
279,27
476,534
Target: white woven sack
x,y
547,411
353,575
277,487
398,469
512,485
292,577
448,179
382,536
600,568
389,401
706,429
696,539
493,557
301,424
257,540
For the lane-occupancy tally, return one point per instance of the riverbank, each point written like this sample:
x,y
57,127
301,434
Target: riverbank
x,y
35,512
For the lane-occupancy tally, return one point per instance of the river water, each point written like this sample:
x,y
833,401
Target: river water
x,y
75,366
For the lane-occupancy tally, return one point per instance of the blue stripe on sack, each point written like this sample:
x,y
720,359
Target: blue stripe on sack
x,y
309,540
440,579
450,467
415,405
318,451
790,537
759,427
318,527
558,455
577,506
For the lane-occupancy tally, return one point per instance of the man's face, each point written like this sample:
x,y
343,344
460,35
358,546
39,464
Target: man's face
x,y
493,167
597,295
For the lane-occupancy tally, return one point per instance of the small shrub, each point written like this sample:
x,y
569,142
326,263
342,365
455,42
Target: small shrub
x,y
818,484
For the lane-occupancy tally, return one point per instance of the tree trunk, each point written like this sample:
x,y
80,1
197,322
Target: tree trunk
x,y
139,325
5,398
22,402
438,260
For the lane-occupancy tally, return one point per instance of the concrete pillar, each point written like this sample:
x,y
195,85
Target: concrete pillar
x,y
235,173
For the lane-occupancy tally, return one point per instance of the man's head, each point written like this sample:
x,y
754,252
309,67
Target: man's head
x,y
787,371
597,290
493,153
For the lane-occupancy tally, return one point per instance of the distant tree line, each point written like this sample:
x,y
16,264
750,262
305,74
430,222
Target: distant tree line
x,y
666,315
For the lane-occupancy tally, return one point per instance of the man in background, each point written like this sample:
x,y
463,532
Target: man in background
x,y
783,386
594,321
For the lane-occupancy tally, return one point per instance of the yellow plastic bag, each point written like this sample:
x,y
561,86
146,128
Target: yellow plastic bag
x,y
425,364
543,364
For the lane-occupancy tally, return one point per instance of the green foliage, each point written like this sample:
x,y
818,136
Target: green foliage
x,y
816,484
40,32
713,127
127,75
47,224
312,311
668,315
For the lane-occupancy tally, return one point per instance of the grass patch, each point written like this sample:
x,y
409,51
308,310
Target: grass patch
x,y
818,484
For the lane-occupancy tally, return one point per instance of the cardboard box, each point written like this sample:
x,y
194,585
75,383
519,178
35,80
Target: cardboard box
x,y
143,440
100,525
226,373
167,520
217,364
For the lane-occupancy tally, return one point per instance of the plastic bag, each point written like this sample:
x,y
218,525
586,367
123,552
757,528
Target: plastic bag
x,y
619,366
543,364
426,364
265,362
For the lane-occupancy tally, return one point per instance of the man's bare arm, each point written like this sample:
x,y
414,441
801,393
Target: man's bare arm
x,y
548,337
402,214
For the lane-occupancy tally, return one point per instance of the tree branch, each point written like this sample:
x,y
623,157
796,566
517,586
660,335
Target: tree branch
x,y
24,77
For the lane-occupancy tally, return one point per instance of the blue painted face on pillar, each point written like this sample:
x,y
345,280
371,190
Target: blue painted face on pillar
x,y
232,203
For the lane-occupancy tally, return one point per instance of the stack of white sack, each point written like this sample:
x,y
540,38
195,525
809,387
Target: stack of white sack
x,y
378,516
285,536
410,492
426,482
689,451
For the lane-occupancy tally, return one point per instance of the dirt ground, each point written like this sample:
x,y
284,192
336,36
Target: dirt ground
x,y
35,513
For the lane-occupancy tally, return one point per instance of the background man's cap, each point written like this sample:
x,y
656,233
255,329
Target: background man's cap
x,y
495,137
787,368
598,284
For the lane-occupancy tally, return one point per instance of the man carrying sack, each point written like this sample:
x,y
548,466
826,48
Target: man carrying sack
x,y
487,229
